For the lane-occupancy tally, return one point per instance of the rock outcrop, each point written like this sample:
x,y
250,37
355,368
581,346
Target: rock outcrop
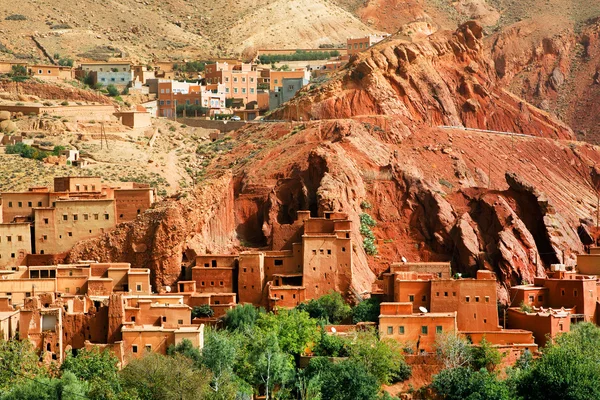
x,y
445,79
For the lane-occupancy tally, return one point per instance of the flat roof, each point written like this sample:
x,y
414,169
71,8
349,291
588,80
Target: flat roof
x,y
418,315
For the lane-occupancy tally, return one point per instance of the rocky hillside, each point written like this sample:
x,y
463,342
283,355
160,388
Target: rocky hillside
x,y
171,29
513,204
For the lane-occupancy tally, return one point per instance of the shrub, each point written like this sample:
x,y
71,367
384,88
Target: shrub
x,y
112,90
65,62
16,17
202,311
64,103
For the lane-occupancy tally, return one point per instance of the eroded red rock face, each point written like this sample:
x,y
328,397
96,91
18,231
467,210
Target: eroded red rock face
x,y
445,79
509,204
555,67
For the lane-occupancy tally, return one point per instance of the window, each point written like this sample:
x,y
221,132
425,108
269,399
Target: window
x,y
39,203
78,290
29,204
328,251
133,318
390,330
445,294
235,90
467,299
252,90
9,238
85,217
45,237
138,287
243,90
40,71
438,329
343,249
75,217
162,102
10,204
212,283
65,217
411,297
424,330
291,88
20,204
562,292
235,79
531,299
278,262
148,347
19,238
276,81
243,79
96,217
401,330
70,233
180,321
221,283
106,216
67,290
487,299
424,298
540,298
574,292
12,255
476,299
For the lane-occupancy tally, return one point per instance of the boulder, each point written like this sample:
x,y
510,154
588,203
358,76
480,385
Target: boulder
x,y
4,115
8,126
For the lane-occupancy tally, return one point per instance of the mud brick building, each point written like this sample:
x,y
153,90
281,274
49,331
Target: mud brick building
x,y
110,305
51,221
285,278
420,301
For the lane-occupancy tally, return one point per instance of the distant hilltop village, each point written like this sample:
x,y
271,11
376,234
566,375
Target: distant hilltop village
x,y
219,89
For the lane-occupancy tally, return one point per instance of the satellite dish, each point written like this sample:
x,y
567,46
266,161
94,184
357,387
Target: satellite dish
x,y
168,289
404,260
423,310
333,329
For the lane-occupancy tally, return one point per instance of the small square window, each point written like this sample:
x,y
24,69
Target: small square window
x,y
180,321
75,217
45,221
148,347
390,330
476,299
106,216
467,299
65,217
438,329
487,299
445,294
138,287
411,297
401,330
424,330
29,204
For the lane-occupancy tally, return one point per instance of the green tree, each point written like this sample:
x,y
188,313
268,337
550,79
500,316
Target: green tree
x,y
242,317
273,367
18,73
220,353
158,377
202,311
345,380
295,330
485,356
330,308
463,383
97,367
18,363
331,346
366,311
382,358
452,350
187,349
568,369
68,387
